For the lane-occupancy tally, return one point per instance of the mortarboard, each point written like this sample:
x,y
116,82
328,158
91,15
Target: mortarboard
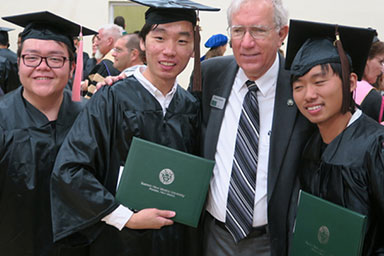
x,y
216,41
312,43
4,35
48,26
167,11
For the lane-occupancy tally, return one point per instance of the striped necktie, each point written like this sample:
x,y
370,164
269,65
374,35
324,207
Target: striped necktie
x,y
241,194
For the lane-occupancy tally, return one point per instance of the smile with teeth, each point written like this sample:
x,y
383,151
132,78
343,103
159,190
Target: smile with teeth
x,y
167,63
42,78
314,108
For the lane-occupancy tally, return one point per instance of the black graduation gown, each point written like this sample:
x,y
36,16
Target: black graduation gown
x,y
86,170
12,79
29,143
350,173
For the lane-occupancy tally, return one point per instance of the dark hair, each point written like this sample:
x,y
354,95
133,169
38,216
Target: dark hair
x,y
71,54
146,29
348,103
4,38
377,48
120,21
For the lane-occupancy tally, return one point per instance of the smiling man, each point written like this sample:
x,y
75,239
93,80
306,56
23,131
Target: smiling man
x,y
343,162
34,120
277,134
150,105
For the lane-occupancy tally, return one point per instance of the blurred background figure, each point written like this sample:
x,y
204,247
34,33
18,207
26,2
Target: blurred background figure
x,y
8,64
95,59
120,21
127,53
106,39
85,56
217,44
366,94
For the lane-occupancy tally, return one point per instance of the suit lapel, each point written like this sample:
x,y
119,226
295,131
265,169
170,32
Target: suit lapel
x,y
284,116
222,83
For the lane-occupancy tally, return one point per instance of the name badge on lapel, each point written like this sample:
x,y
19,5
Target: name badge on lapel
x,y
217,102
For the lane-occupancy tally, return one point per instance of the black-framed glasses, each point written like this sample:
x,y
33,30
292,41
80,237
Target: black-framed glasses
x,y
32,61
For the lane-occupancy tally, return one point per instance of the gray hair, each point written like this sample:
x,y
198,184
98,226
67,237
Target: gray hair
x,y
112,30
280,17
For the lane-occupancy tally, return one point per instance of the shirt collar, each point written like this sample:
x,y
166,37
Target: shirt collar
x,y
355,116
266,82
148,85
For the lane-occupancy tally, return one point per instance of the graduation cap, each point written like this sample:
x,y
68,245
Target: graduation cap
x,y
4,39
216,41
167,11
313,43
48,26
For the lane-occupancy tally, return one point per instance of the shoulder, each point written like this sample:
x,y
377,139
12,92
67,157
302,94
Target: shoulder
x,y
218,64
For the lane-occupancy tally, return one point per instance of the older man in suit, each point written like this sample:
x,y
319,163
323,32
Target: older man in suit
x,y
251,213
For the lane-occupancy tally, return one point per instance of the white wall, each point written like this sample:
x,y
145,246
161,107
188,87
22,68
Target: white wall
x,y
95,13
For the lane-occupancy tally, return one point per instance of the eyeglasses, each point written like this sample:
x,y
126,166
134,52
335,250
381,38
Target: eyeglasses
x,y
256,31
119,50
33,61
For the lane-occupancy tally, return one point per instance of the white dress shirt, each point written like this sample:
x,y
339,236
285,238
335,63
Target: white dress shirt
x,y
218,193
120,216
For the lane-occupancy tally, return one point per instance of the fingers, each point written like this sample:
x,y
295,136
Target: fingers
x,y
150,219
84,85
109,80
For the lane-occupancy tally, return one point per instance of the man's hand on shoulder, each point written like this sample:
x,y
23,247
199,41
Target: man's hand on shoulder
x,y
109,80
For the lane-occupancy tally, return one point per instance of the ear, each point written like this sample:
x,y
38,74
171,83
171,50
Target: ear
x,y
142,45
283,32
134,54
353,81
73,66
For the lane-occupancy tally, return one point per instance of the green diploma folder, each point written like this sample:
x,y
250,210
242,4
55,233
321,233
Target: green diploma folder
x,y
156,176
324,228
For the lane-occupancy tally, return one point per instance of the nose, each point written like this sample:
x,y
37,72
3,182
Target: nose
x,y
310,93
170,48
247,41
43,64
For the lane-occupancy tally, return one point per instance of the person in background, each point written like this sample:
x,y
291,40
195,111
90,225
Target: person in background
x,y
150,105
127,54
19,40
34,120
366,95
94,60
8,63
217,44
85,56
120,21
106,38
271,159
343,162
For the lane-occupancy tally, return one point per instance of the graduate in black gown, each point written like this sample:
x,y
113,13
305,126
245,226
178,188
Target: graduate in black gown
x,y
8,61
344,161
34,120
150,105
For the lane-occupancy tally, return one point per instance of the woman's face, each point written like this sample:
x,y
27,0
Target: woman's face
x,y
374,68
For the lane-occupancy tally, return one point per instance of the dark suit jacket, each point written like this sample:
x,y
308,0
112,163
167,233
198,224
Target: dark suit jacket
x,y
290,131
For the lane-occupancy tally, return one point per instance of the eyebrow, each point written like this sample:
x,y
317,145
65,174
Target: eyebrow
x,y
49,53
182,33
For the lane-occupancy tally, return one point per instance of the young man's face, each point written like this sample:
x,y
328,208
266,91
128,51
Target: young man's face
x,y
43,81
318,95
168,49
